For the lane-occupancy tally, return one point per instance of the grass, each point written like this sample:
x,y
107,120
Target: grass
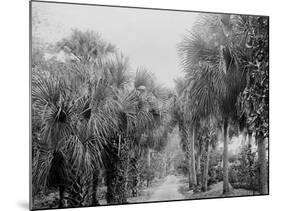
x,y
214,191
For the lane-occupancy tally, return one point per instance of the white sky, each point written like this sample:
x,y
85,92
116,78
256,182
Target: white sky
x,y
147,37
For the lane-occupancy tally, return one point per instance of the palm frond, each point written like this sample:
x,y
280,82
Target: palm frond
x,y
127,102
143,79
195,50
116,71
85,46
50,170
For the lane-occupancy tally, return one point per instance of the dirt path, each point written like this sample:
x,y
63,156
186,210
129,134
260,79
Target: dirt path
x,y
169,190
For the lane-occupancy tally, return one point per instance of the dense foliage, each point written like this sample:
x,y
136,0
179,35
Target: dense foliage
x,y
101,129
225,58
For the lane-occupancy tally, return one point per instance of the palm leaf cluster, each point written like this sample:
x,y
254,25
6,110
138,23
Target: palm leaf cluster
x,y
210,57
88,113
216,58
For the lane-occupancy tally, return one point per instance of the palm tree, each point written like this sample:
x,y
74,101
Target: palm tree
x,y
100,71
199,153
210,63
85,47
209,141
126,116
130,120
67,147
84,95
54,120
182,115
138,111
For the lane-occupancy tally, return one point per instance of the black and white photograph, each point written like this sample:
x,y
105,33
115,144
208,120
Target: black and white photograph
x,y
136,105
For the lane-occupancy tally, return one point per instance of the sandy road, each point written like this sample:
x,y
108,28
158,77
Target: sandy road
x,y
168,190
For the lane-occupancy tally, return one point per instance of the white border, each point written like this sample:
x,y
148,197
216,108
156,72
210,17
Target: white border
x,y
14,110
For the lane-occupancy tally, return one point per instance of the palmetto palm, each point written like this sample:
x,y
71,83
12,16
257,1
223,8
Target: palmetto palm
x,y
182,116
96,74
65,150
212,68
116,70
147,114
75,112
208,135
86,46
155,101
53,116
126,116
137,112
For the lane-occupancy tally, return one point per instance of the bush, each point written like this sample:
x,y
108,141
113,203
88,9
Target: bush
x,y
243,172
215,174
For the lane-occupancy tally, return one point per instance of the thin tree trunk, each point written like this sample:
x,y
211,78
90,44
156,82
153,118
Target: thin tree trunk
x,y
251,162
244,137
119,145
206,168
198,169
225,157
262,162
192,152
135,175
148,158
190,181
249,140
148,164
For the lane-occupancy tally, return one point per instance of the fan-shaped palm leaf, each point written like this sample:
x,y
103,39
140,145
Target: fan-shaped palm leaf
x,y
85,46
143,79
116,71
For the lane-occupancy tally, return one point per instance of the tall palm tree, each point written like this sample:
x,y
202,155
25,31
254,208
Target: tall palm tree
x,y
130,120
209,61
137,111
209,136
100,71
183,116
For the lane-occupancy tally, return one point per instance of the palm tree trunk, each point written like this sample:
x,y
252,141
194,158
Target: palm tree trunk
x,y
225,157
192,152
251,162
244,137
262,162
119,145
190,179
148,158
206,168
95,183
198,169
111,172
117,176
122,171
135,175
61,196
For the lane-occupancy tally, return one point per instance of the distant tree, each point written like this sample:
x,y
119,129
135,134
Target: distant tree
x,y
85,46
181,115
